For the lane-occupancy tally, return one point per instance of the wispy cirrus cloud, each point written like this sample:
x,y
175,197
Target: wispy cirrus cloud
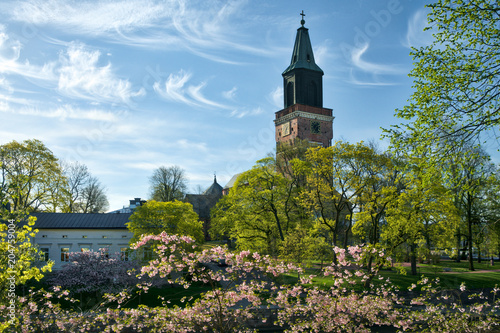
x,y
75,74
374,73
205,28
416,36
91,17
366,66
240,113
176,89
63,112
10,63
276,97
80,76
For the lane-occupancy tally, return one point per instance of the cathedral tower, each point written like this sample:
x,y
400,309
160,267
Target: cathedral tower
x,y
303,116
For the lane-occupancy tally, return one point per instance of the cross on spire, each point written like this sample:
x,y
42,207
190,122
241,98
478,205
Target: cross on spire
x,y
302,21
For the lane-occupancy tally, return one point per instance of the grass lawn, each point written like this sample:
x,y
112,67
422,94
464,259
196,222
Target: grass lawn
x,y
485,275
173,295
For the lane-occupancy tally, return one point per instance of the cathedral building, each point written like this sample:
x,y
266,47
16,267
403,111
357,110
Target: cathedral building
x,y
303,115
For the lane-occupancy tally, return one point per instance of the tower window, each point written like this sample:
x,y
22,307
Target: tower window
x,y
289,94
308,58
315,127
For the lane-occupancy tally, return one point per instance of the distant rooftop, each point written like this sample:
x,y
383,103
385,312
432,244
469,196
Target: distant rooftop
x,y
80,221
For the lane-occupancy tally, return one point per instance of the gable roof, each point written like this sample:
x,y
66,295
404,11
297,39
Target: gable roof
x,y
80,221
231,181
214,189
303,56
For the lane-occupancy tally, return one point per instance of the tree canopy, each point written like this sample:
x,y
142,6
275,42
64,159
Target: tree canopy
x,y
456,78
174,217
29,174
168,184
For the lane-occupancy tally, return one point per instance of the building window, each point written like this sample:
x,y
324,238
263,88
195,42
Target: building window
x,y
44,255
104,236
44,236
85,249
124,236
84,236
65,236
64,254
104,251
124,252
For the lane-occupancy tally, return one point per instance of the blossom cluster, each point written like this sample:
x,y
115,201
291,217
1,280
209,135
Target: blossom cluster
x,y
245,294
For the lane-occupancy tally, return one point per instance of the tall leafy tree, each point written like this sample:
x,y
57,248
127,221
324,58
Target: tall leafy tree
x,y
28,173
383,186
336,177
456,78
173,217
168,184
85,194
422,210
258,211
475,170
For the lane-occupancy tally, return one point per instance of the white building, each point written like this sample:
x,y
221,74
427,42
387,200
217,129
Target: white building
x,y
62,233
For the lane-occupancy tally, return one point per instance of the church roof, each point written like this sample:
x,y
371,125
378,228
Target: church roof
x,y
214,189
302,56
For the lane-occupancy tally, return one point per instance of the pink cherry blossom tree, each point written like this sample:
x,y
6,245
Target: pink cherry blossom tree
x,y
245,295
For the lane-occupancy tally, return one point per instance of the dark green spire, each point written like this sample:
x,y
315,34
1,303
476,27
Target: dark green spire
x,y
302,56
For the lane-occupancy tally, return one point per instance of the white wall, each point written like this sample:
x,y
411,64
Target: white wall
x,y
75,240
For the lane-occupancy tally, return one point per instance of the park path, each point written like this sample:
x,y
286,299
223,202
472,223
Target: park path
x,y
407,264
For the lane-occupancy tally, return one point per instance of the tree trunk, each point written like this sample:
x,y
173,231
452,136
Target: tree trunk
x,y
346,238
370,262
459,246
469,225
413,259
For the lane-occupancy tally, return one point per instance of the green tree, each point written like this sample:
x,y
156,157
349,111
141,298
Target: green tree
x,y
258,211
456,78
297,247
84,193
29,171
173,217
336,177
19,257
383,174
475,170
423,210
168,184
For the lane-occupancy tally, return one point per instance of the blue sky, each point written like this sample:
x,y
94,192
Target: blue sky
x,y
127,86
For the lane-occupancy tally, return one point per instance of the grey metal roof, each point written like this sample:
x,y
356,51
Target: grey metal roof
x,y
231,181
80,221
214,189
302,56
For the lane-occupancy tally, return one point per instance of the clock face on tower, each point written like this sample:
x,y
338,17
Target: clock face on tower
x,y
285,129
315,127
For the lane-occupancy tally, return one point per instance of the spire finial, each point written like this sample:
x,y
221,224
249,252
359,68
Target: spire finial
x,y
302,21
215,177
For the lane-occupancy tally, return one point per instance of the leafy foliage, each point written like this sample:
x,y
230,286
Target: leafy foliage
x,y
456,78
260,210
29,174
18,256
168,184
174,217
244,297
